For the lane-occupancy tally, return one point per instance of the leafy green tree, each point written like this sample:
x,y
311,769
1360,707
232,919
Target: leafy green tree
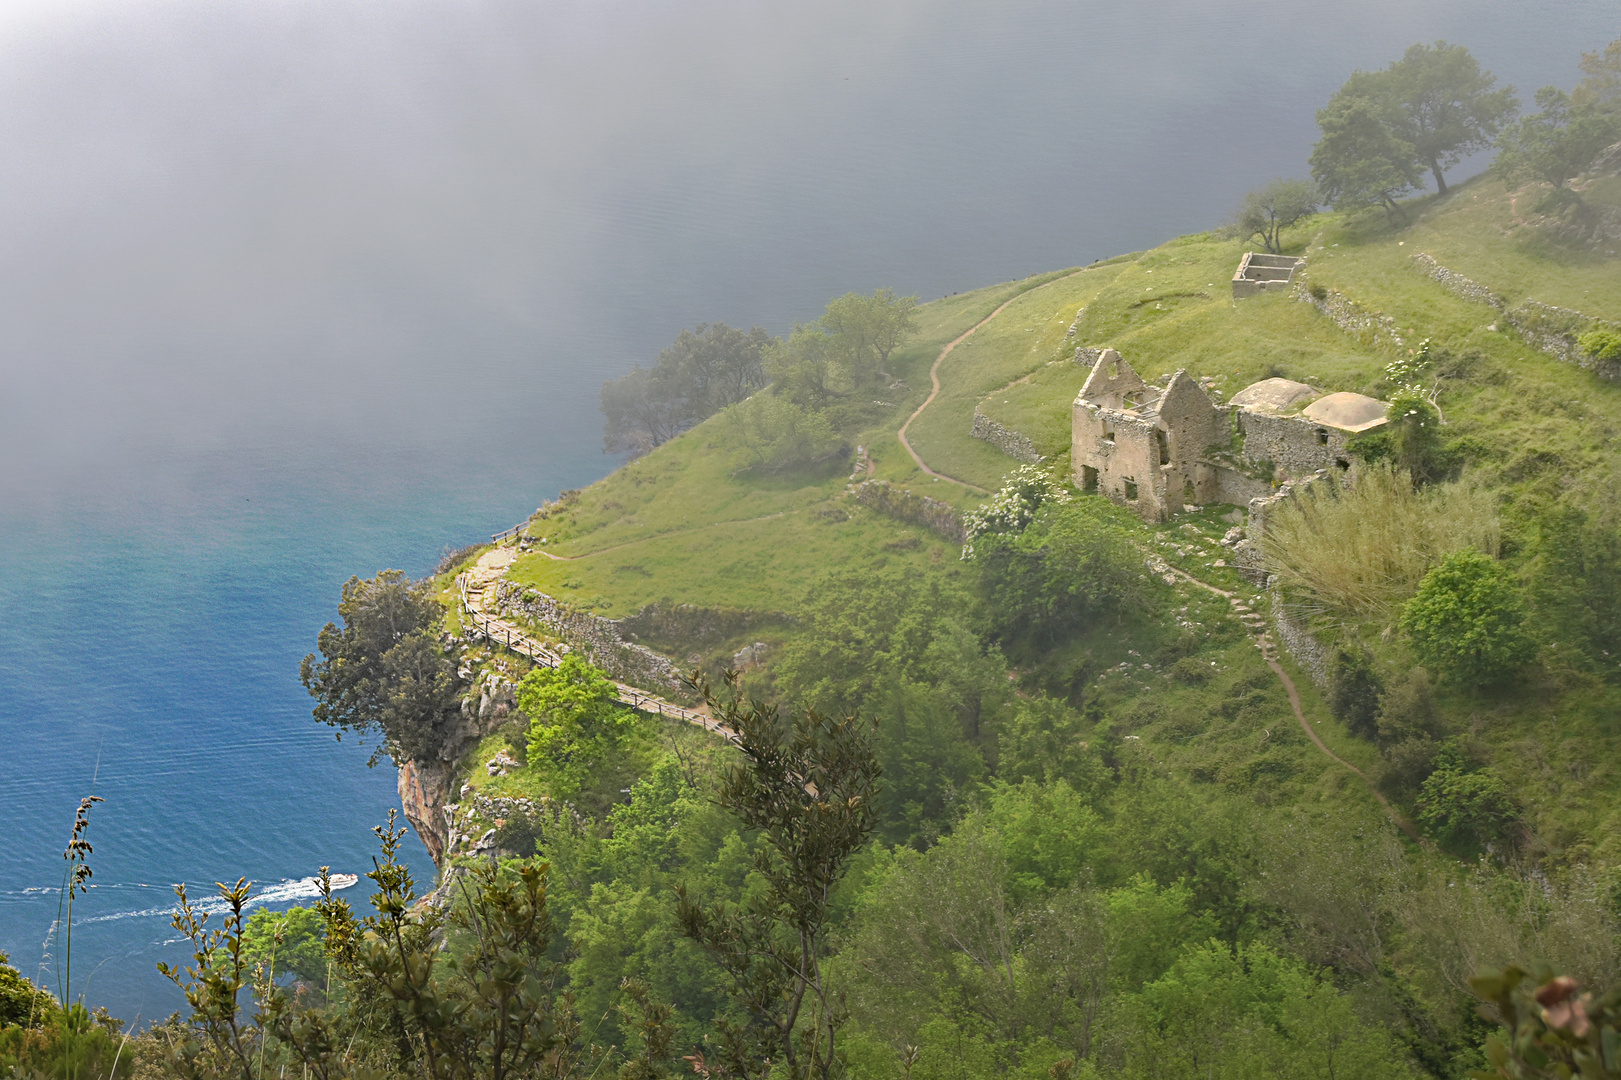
x,y
1465,621
844,351
1071,564
1556,144
930,764
385,672
575,721
780,434
1574,578
1414,435
1268,210
1249,1011
865,330
1361,160
287,942
1601,84
1448,107
702,372
809,785
1461,805
22,1004
1428,110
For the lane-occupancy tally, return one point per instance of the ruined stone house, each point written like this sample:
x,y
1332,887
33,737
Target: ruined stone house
x,y
1159,449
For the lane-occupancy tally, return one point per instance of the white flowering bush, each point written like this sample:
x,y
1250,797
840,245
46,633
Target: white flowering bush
x,y
1013,507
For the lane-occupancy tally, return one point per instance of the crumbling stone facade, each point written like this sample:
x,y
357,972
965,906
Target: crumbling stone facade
x,y
1158,450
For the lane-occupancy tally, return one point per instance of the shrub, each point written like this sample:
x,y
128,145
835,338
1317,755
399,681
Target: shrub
x,y
1465,620
780,434
1353,693
1601,344
1464,806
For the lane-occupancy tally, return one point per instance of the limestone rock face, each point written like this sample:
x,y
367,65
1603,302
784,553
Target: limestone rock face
x,y
425,788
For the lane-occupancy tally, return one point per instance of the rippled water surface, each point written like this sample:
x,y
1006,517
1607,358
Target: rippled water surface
x,y
295,291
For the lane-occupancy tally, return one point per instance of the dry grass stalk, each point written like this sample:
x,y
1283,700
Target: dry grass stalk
x,y
1360,550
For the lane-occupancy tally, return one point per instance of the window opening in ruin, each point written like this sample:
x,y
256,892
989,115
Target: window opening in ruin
x,y
1322,437
1189,497
1089,480
1108,433
1164,447
1131,491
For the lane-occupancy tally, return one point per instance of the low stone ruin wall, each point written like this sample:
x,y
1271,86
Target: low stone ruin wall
x,y
1005,439
1548,329
1351,316
932,514
598,638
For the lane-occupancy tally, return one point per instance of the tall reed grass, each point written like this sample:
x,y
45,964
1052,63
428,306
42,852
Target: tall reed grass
x,y
1359,550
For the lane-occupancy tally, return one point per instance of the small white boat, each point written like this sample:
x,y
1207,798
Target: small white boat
x,y
343,881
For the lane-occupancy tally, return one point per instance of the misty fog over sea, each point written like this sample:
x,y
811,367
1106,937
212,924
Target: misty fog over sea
x,y
292,291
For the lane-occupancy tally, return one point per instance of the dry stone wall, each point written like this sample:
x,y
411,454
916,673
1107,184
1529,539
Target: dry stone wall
x,y
893,502
1005,439
1351,316
599,638
1548,329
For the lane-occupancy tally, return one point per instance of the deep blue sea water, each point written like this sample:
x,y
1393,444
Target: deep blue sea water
x,y
298,291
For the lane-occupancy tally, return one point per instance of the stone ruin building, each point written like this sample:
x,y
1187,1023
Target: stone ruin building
x,y
1160,449
1258,273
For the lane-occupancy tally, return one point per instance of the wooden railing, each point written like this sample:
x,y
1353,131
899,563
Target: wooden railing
x,y
496,538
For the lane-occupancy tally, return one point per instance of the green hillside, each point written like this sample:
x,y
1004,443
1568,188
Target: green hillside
x,y
1119,823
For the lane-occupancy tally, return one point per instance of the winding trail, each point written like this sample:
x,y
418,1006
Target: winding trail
x,y
934,379
1263,641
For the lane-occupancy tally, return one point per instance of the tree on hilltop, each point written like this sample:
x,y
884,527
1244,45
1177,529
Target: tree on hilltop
x,y
1602,83
1556,144
703,371
1360,161
1448,107
1427,111
1267,211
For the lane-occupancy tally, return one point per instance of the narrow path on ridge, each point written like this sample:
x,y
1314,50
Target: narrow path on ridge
x,y
476,588
1263,641
934,380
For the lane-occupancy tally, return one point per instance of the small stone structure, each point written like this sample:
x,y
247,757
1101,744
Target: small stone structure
x,y
1258,272
1158,450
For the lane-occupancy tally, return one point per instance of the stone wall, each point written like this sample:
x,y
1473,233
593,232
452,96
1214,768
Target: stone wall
x,y
696,627
598,638
1005,439
1456,284
1352,317
1292,443
1307,651
1548,329
932,514
1553,330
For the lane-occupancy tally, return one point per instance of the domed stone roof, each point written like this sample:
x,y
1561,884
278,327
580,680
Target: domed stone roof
x,y
1273,395
1347,411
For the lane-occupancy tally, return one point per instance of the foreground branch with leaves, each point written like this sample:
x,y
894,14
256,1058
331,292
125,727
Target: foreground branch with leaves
x,y
808,783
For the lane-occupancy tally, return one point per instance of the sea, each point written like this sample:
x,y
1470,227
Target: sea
x,y
296,291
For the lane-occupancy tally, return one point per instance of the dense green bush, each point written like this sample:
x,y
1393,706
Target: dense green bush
x,y
1465,621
